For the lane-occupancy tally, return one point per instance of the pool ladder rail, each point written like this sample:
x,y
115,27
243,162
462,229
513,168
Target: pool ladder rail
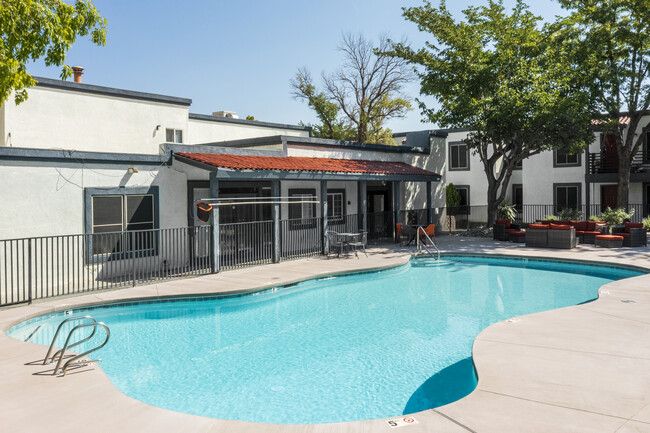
x,y
420,245
68,345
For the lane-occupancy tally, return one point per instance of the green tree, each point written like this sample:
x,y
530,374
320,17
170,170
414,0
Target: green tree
x,y
610,41
361,96
503,77
34,29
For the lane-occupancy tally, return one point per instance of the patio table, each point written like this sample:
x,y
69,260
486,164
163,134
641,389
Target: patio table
x,y
346,240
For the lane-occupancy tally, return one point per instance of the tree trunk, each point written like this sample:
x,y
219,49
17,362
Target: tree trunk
x,y
624,152
492,202
623,190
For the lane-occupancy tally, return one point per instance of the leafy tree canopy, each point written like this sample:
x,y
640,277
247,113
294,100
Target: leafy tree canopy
x,y
359,97
609,41
34,29
503,76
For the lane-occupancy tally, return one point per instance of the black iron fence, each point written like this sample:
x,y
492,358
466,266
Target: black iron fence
x,y
42,267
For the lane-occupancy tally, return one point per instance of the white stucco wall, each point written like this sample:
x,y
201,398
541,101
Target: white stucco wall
x,y
62,119
48,199
205,131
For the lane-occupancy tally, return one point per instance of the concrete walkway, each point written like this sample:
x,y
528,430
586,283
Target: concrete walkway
x,y
582,368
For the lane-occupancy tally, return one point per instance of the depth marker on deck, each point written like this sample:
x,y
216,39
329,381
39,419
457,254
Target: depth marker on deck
x,y
401,422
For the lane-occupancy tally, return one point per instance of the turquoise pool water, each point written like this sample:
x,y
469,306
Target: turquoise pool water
x,y
346,348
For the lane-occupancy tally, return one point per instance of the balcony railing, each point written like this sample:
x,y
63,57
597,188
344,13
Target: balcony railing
x,y
607,162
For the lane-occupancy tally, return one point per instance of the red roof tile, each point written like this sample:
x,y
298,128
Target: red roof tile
x,y
300,163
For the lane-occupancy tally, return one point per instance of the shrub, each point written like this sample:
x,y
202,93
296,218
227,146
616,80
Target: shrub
x,y
569,214
549,218
646,223
616,216
594,218
506,211
453,196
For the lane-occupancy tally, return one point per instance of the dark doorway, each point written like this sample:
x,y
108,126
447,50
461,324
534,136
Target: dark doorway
x,y
380,210
608,196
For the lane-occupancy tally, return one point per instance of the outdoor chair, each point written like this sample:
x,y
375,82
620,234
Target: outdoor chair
x,y
634,235
562,236
335,243
537,235
398,232
430,231
502,228
360,243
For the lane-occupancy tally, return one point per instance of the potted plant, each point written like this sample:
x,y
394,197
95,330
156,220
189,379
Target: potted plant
x,y
507,211
614,217
453,201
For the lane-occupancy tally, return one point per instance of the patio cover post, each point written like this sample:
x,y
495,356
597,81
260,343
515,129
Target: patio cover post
x,y
362,192
396,205
323,213
214,240
275,192
429,203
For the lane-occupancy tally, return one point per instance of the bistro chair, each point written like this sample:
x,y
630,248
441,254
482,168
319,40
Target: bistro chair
x,y
360,242
335,243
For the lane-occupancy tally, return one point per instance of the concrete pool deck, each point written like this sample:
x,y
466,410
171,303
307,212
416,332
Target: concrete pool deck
x,y
581,368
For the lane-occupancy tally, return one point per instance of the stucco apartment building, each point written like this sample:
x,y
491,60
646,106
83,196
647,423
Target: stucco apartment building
x,y
547,182
81,158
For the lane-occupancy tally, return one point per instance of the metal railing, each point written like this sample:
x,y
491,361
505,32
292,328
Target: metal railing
x,y
246,244
43,267
300,238
607,162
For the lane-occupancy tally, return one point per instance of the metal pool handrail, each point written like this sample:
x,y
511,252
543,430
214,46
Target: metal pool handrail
x,y
56,334
419,246
73,360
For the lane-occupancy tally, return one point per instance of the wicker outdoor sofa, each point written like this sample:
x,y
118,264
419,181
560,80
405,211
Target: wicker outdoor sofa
x,y
551,236
634,235
502,228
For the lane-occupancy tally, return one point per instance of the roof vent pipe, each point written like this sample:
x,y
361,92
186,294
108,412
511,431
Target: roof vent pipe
x,y
78,71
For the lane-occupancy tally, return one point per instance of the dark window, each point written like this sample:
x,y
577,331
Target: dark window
x,y
519,165
111,216
567,197
302,213
463,191
458,156
647,200
336,205
566,158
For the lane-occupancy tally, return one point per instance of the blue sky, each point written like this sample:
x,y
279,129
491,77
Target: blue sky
x,y
240,55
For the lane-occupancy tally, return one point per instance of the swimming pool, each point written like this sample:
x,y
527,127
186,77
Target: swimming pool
x,y
354,347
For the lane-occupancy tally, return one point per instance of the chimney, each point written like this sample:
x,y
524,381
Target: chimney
x,y
78,72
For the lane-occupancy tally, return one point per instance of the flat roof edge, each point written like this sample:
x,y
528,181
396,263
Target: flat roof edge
x,y
210,118
110,91
32,154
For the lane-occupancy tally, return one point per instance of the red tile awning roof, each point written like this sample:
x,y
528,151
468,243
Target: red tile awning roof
x,y
622,120
305,164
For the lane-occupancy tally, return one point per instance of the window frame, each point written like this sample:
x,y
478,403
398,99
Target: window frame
x,y
518,207
449,150
577,155
294,223
174,131
122,192
578,186
466,187
336,219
